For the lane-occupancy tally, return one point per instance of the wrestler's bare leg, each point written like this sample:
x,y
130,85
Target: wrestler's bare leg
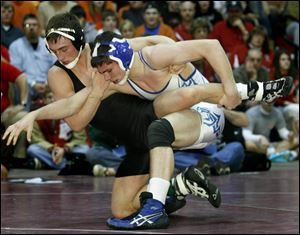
x,y
125,194
126,190
186,97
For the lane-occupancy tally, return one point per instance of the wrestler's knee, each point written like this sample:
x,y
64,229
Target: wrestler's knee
x,y
160,134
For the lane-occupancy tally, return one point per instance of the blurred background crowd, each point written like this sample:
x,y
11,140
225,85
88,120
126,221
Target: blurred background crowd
x,y
260,38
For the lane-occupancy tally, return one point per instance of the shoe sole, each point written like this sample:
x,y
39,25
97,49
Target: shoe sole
x,y
288,84
214,195
159,225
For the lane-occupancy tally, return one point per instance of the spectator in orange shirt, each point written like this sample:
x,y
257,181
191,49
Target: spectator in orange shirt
x,y
21,9
153,24
94,11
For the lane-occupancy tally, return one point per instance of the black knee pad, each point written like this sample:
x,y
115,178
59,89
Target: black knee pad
x,y
160,134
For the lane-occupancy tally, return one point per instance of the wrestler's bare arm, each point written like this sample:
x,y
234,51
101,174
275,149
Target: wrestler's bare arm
x,y
163,55
141,42
77,109
64,88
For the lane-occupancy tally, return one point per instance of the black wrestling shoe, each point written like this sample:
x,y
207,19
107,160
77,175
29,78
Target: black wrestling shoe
x,y
173,204
271,89
192,181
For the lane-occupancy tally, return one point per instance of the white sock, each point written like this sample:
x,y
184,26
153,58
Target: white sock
x,y
243,90
159,189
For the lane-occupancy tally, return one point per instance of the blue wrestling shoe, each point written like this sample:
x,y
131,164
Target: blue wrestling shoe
x,y
151,215
192,181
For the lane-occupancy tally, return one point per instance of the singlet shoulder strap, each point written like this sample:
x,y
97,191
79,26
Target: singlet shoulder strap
x,y
78,85
144,61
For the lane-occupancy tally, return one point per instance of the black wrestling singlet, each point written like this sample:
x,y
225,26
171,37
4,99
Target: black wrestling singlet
x,y
126,118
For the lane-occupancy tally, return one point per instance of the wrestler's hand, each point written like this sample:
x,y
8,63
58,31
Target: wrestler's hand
x,y
25,124
99,84
230,99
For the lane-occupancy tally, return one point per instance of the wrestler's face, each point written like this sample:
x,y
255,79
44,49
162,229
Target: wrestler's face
x,y
112,72
63,49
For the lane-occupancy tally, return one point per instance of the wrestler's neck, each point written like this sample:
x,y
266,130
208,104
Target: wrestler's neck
x,y
137,69
83,62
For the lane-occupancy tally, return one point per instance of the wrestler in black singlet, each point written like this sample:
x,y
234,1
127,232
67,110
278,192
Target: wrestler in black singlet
x,y
126,118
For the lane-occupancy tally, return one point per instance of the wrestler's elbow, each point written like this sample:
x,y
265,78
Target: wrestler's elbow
x,y
74,125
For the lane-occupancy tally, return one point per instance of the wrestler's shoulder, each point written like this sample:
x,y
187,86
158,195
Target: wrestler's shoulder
x,y
56,71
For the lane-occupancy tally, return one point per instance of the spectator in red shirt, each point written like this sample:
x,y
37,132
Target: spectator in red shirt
x,y
10,73
10,113
283,67
258,38
187,13
234,30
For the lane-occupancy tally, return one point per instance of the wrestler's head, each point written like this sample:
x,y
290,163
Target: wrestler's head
x,y
112,56
65,39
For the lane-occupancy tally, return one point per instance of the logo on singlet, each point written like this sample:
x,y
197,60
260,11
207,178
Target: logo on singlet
x,y
211,119
187,83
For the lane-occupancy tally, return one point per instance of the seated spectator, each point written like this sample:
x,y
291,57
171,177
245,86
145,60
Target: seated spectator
x,y
101,155
232,31
153,24
127,29
133,12
90,31
262,119
207,11
12,113
291,113
200,30
187,10
52,140
30,55
110,23
283,67
9,32
258,39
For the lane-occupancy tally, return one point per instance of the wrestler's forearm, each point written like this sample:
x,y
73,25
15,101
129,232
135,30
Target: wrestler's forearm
x,y
217,58
87,112
62,108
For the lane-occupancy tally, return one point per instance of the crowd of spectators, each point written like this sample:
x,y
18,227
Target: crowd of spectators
x,y
260,38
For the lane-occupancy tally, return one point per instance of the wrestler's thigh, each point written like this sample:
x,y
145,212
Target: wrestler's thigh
x,y
186,125
125,194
